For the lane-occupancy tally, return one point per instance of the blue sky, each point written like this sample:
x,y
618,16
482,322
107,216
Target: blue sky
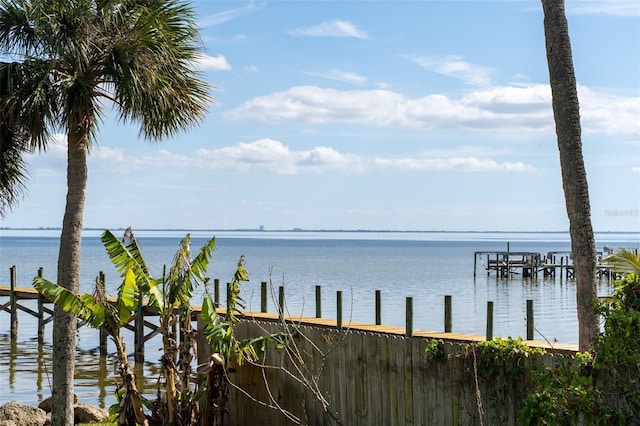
x,y
418,115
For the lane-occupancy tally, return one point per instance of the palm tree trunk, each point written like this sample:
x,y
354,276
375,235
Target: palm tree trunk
x,y
566,112
64,325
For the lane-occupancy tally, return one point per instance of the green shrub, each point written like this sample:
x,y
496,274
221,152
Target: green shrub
x,y
598,388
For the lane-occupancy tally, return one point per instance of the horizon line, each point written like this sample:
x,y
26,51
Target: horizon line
x,y
261,229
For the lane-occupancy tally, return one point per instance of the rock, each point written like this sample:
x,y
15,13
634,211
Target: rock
x,y
23,415
8,423
46,403
85,413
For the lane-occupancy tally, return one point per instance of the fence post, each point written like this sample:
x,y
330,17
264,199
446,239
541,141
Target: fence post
x,y
13,302
138,337
216,292
378,307
447,314
281,302
318,301
489,320
529,319
409,317
103,335
263,297
40,311
339,310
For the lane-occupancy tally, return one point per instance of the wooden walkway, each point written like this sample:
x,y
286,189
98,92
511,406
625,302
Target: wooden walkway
x,y
145,330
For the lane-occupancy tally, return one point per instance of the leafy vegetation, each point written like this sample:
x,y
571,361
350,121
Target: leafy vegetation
x,y
601,387
501,357
227,351
99,313
63,66
435,350
625,261
179,398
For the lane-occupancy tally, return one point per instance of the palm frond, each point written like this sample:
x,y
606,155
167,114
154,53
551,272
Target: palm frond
x,y
124,256
215,329
82,306
179,287
200,264
128,298
131,244
625,261
127,256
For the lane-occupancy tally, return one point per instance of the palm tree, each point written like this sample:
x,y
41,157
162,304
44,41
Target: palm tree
x,y
566,111
72,60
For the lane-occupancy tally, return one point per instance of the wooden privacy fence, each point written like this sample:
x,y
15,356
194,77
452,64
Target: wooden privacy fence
x,y
356,377
348,373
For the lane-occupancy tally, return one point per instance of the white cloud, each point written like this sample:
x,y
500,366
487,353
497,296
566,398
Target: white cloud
x,y
603,7
335,74
456,67
212,63
607,113
273,156
507,108
335,28
231,14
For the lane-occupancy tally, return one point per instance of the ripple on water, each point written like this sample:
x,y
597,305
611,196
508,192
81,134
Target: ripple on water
x,y
25,372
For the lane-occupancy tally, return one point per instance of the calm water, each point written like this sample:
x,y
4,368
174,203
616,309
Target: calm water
x,y
425,266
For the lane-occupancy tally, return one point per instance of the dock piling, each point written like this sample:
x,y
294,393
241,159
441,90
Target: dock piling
x,y
216,292
339,310
263,296
40,311
409,317
13,302
318,301
281,301
103,335
489,320
378,307
447,314
529,319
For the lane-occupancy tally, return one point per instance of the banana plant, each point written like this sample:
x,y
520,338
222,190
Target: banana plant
x,y
170,297
227,351
177,289
98,312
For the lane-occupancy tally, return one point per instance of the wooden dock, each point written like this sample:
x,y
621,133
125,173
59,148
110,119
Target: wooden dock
x,y
506,264
144,329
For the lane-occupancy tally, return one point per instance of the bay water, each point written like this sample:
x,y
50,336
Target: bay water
x,y
423,265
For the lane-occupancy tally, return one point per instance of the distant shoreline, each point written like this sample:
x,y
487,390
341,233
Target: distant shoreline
x,y
302,230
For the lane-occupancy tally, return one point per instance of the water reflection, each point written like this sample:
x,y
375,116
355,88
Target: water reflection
x,y
25,369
